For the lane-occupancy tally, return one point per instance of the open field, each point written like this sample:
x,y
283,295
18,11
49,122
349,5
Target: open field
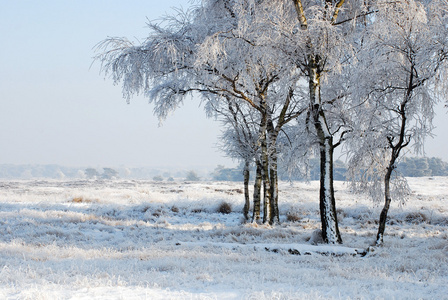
x,y
129,239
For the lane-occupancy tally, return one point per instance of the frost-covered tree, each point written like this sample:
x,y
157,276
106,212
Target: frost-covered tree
x,y
402,63
239,140
320,42
210,50
275,60
252,72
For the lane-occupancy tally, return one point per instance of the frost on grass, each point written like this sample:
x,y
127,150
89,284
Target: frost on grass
x,y
138,240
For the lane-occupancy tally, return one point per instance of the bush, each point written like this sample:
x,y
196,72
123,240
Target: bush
x,y
416,218
109,173
293,217
192,176
157,178
225,208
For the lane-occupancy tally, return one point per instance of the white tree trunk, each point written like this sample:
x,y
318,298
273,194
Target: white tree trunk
x,y
330,229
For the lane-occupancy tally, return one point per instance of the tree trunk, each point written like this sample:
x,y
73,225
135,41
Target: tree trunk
x,y
403,142
274,217
385,210
246,174
257,194
266,184
330,228
265,169
272,132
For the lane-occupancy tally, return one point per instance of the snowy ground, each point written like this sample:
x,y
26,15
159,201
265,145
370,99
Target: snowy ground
x,y
130,239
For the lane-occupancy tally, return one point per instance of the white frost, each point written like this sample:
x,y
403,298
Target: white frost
x,y
146,240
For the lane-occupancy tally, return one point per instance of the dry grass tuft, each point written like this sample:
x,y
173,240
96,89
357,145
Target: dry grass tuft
x,y
416,218
225,208
81,200
293,217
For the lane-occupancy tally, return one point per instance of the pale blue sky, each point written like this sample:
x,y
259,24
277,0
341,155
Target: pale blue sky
x,y
54,108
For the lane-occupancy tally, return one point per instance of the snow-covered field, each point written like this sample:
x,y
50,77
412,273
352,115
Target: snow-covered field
x,y
129,239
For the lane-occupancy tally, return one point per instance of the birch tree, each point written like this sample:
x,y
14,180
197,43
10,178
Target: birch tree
x,y
318,45
260,78
240,140
403,62
211,50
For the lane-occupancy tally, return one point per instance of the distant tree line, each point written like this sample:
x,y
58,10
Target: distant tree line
x,y
222,173
37,171
108,173
423,166
408,167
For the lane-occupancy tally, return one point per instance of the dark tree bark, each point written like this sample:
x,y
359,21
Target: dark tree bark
x,y
385,210
274,191
256,216
246,174
403,141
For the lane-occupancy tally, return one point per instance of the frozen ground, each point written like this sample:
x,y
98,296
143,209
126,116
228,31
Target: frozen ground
x,y
144,240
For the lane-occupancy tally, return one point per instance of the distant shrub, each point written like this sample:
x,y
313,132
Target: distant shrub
x,y
91,173
192,176
293,217
157,178
416,218
109,173
227,174
174,209
157,213
78,200
225,208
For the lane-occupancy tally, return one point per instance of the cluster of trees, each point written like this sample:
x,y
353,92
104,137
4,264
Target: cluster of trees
x,y
292,80
422,166
189,176
192,176
37,171
108,173
222,173
407,167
